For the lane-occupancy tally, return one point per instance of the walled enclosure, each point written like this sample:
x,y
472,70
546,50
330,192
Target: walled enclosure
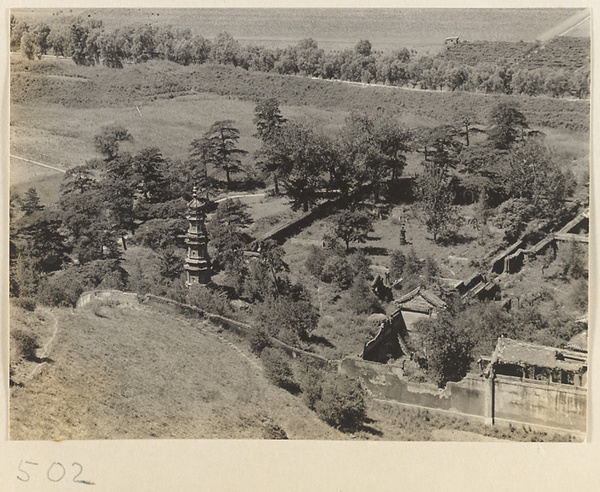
x,y
502,398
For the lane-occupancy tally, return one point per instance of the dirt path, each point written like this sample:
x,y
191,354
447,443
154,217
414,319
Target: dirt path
x,y
37,163
384,86
235,347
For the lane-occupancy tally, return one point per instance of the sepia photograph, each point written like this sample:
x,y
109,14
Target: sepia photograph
x,y
351,224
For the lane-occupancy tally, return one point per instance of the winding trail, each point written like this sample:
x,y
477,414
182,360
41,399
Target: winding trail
x,y
235,347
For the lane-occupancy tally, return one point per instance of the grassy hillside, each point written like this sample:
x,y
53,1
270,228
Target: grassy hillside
x,y
58,107
118,372
123,373
135,84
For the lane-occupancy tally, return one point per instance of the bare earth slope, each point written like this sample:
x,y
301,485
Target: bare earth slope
x,y
125,373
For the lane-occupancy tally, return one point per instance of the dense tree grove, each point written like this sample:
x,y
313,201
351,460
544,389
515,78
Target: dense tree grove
x,y
88,42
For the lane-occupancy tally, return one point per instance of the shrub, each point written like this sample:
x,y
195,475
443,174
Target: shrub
x,y
26,344
361,264
278,369
26,303
205,298
397,263
431,270
53,292
63,288
574,264
259,340
342,403
337,270
579,294
361,299
315,261
287,319
310,385
273,431
413,265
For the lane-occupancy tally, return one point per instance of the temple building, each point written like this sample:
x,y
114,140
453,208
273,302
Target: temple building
x,y
531,361
197,261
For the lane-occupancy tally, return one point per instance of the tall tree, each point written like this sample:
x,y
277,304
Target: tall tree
x,y
508,124
28,48
218,147
352,226
375,144
269,124
148,175
363,47
531,171
271,255
226,50
448,348
436,197
303,177
40,33
440,145
58,40
226,236
31,202
40,238
118,192
17,29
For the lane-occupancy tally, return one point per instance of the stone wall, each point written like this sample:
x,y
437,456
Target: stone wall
x,y
509,399
541,403
383,381
127,298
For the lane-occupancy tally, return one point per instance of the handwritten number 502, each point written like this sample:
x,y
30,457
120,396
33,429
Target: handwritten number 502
x,y
56,472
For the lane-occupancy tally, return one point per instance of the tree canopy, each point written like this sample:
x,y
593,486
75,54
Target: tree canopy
x,y
218,147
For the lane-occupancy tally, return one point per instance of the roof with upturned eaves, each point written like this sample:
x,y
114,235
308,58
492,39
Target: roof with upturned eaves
x,y
420,300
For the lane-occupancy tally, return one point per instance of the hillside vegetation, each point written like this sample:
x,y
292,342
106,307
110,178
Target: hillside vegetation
x,y
116,372
71,86
120,373
88,42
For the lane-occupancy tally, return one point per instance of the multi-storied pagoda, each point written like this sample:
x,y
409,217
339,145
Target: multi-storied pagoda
x,y
197,261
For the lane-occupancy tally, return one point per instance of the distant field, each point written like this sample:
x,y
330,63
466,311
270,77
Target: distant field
x,y
333,29
569,53
118,373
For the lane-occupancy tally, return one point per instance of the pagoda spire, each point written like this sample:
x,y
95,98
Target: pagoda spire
x,y
197,262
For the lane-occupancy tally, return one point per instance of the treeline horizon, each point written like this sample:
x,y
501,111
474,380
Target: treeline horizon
x,y
88,43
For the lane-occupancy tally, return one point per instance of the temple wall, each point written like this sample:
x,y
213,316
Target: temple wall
x,y
541,403
509,399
